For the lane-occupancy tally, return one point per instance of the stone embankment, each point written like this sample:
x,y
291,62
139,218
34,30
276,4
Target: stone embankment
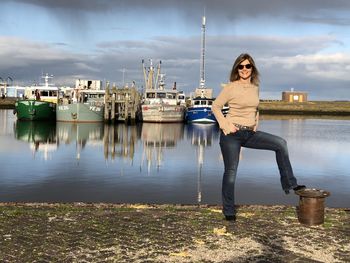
x,y
168,233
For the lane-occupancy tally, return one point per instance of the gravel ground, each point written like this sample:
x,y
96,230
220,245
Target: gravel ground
x,y
168,233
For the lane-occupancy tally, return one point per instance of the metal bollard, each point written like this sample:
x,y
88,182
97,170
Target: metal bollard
x,y
311,206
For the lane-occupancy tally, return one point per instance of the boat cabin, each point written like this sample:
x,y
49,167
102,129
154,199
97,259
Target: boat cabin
x,y
170,97
49,94
201,102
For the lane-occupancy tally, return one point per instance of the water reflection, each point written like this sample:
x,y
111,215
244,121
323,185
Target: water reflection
x,y
202,136
41,136
163,163
80,133
156,137
119,141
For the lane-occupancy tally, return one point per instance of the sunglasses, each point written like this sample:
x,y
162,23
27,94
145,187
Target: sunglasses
x,y
247,66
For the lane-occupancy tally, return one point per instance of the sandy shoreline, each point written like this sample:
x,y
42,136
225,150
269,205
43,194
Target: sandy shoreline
x,y
78,232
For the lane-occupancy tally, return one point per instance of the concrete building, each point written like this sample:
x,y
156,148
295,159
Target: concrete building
x,y
294,96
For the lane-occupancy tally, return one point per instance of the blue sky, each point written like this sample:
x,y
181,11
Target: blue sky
x,y
296,44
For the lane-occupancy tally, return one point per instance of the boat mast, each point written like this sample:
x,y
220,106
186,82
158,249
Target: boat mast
x,y
144,73
148,76
158,76
47,77
202,69
151,80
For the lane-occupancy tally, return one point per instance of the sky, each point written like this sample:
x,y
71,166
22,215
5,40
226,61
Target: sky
x,y
300,45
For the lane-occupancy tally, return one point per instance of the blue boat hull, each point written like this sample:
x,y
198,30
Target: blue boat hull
x,y
200,115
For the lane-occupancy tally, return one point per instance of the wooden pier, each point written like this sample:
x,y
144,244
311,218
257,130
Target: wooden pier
x,y
121,104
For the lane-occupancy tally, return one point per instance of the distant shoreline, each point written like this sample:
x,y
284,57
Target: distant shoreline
x,y
7,103
330,108
336,108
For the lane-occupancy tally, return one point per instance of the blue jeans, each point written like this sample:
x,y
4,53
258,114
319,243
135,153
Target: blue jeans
x,y
230,147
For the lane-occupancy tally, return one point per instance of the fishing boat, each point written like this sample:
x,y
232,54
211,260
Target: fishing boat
x,y
39,102
199,110
82,105
160,104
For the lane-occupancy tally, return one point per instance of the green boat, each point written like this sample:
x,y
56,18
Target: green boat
x,y
39,103
33,110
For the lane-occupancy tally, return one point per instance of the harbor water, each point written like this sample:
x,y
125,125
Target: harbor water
x,y
165,163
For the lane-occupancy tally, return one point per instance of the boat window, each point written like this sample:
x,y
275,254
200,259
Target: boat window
x,y
203,102
150,95
44,93
210,102
161,95
197,102
170,96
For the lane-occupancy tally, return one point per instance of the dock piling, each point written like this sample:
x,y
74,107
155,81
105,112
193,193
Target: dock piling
x,y
122,104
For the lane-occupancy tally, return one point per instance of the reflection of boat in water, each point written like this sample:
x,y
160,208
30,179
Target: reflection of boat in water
x,y
40,135
39,102
81,134
161,134
156,137
202,136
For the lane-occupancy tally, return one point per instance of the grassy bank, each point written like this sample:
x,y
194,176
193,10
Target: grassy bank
x,y
168,233
306,108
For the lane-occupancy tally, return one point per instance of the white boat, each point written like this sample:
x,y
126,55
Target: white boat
x,y
160,104
83,105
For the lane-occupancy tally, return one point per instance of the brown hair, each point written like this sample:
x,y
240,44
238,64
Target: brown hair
x,y
234,72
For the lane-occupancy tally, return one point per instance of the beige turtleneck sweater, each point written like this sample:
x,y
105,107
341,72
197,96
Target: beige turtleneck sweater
x,y
243,101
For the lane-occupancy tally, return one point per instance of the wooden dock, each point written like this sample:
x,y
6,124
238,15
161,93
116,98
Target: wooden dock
x,y
121,104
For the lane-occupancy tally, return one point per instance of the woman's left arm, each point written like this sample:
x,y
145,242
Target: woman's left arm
x,y
257,112
256,119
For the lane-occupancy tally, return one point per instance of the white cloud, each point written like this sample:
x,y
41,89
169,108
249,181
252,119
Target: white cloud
x,y
322,66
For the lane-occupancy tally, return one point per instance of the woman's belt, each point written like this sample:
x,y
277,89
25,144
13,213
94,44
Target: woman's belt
x,y
242,127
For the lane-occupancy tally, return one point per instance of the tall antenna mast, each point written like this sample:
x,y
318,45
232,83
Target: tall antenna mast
x,y
202,69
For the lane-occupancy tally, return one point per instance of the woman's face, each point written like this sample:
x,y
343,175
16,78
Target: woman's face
x,y
245,69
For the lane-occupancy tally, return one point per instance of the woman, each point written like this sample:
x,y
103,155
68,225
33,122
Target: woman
x,y
239,129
